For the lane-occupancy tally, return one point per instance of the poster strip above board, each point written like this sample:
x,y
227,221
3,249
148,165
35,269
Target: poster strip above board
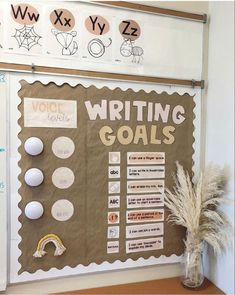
x,y
102,38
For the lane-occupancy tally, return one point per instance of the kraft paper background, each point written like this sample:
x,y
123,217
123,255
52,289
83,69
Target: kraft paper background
x,y
85,234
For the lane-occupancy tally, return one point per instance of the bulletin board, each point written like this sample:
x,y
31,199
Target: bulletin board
x,y
109,151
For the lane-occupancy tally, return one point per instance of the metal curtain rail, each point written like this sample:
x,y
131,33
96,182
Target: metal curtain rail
x,y
100,75
155,10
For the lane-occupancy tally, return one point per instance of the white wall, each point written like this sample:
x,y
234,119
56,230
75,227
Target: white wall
x,y
220,121
187,6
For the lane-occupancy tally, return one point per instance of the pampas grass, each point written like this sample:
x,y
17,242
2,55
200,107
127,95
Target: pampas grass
x,y
197,208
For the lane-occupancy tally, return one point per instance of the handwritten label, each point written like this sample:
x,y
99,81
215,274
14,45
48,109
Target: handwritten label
x,y
144,245
145,215
53,113
141,201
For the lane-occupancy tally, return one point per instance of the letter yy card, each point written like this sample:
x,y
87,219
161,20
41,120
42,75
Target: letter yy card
x,y
95,190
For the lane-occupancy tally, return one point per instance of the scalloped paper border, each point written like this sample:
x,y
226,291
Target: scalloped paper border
x,y
99,83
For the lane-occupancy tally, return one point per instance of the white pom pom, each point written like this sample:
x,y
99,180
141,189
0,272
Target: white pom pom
x,y
33,177
33,146
33,210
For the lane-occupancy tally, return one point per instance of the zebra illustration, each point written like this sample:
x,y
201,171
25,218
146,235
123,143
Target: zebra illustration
x,y
127,49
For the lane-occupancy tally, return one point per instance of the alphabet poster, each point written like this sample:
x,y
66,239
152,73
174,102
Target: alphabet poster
x,y
129,39
62,32
97,37
94,165
24,28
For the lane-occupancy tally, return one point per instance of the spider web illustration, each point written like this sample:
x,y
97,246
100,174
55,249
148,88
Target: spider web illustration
x,y
27,37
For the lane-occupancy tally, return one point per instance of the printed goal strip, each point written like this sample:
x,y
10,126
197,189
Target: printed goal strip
x,y
145,158
142,245
144,230
135,216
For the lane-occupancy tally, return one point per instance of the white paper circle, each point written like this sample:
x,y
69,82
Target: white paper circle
x,y
62,210
63,147
63,177
33,210
33,146
33,177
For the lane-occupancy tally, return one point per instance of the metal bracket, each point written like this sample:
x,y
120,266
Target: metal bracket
x,y
202,84
33,69
193,83
204,18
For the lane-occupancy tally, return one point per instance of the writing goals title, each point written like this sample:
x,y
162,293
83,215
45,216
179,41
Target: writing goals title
x,y
140,111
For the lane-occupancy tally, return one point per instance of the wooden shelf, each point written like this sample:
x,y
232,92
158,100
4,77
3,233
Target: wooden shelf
x,y
100,75
154,10
163,286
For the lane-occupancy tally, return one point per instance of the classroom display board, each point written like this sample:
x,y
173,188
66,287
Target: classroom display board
x,y
90,158
92,164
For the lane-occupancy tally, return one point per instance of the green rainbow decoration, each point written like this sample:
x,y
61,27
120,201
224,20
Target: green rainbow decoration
x,y
50,238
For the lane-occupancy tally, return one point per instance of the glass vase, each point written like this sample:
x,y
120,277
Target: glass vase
x,y
192,268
